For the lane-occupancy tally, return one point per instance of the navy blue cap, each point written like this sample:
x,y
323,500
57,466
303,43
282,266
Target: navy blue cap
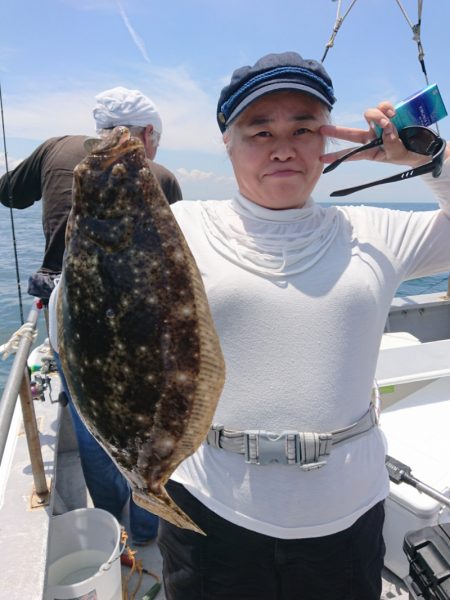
x,y
273,73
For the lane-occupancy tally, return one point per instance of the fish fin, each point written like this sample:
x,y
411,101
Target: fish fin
x,y
163,506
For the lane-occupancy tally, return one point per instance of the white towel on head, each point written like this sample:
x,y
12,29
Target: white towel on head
x,y
121,106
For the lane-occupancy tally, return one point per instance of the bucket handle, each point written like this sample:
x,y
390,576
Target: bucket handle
x,y
108,564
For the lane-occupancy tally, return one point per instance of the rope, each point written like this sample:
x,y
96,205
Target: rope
x,y
416,30
416,34
27,330
337,25
128,559
10,199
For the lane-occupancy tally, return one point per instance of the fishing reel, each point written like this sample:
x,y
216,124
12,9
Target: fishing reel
x,y
40,380
41,364
39,383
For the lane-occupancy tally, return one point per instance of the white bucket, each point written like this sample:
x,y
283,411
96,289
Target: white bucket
x,y
84,556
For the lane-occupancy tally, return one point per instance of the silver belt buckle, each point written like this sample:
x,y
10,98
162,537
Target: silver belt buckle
x,y
265,448
314,445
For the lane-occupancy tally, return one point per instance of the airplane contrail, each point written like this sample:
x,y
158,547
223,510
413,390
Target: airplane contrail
x,y
134,36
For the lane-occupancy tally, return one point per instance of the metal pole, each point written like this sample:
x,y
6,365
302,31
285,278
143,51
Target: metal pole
x,y
32,434
429,491
12,387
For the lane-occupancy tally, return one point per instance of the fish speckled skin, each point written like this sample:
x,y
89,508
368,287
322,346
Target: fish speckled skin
x,y
136,338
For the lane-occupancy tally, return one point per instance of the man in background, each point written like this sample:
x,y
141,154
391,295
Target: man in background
x,y
48,173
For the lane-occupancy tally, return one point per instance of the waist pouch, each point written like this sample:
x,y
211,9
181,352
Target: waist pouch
x,y
41,284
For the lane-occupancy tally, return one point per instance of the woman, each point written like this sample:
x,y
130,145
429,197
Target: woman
x,y
299,295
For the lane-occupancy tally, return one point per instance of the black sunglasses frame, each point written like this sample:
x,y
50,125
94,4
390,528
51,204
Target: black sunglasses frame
x,y
437,148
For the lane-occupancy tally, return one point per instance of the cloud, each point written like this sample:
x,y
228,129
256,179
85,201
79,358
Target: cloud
x,y
12,163
134,36
203,185
195,175
39,114
187,110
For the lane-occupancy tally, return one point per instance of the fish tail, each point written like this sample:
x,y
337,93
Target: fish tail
x,y
162,505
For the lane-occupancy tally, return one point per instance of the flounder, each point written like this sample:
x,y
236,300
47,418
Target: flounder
x,y
136,338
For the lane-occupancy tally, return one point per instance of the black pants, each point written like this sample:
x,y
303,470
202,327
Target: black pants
x,y
233,563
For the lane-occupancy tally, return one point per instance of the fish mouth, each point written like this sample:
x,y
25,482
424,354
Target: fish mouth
x,y
116,144
110,150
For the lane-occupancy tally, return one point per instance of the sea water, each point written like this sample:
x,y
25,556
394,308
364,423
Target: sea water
x,y
30,247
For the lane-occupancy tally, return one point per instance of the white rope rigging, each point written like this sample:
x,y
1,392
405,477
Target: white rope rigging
x,y
337,25
416,33
415,28
12,345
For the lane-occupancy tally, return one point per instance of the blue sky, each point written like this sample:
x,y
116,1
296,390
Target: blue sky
x,y
56,55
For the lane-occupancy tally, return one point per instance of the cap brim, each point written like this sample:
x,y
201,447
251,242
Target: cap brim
x,y
275,87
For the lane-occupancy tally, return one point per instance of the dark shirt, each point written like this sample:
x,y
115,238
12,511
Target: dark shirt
x,y
167,181
48,174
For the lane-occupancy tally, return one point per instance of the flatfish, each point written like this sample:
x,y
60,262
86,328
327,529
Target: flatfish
x,y
136,338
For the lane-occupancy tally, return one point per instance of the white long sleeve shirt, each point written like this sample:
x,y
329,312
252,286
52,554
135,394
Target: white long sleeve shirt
x,y
300,298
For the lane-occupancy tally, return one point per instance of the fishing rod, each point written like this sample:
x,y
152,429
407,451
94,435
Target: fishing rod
x,y
11,215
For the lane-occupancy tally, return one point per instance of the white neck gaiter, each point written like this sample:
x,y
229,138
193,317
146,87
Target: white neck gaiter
x,y
274,243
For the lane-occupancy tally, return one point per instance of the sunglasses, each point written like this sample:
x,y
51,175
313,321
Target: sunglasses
x,y
416,139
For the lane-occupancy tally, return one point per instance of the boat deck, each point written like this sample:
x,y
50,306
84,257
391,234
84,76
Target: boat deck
x,y
24,530
393,587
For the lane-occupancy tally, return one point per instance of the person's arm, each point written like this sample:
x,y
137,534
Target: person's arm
x,y
174,193
391,151
24,186
168,182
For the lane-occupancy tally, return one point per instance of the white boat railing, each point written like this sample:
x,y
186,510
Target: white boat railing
x,y
18,385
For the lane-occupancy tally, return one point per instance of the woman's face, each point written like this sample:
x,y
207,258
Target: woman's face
x,y
274,147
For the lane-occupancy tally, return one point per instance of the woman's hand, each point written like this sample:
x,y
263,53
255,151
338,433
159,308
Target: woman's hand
x,y
392,150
